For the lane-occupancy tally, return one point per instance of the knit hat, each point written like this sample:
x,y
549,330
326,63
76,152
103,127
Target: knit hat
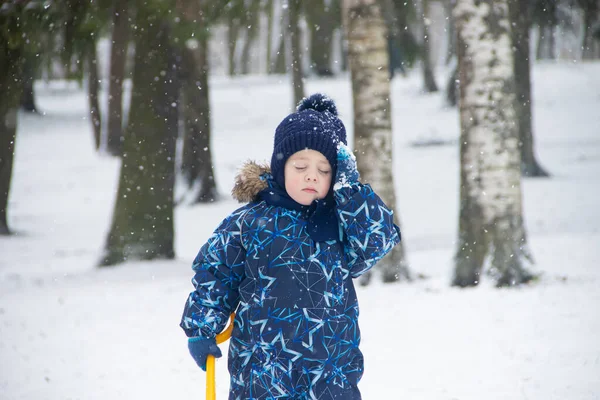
x,y
316,126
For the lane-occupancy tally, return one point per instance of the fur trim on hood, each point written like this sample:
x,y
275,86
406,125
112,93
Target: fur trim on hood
x,y
249,181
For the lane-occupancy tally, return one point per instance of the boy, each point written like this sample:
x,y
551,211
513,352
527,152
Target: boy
x,y
285,262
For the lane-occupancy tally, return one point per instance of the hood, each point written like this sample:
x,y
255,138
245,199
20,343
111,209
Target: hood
x,y
250,180
253,178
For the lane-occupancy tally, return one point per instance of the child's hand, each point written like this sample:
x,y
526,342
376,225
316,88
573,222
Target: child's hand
x,y
346,174
200,348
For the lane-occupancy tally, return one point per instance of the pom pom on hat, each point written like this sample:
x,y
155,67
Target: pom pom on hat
x,y
318,102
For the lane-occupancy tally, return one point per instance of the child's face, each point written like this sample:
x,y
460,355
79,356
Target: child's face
x,y
307,176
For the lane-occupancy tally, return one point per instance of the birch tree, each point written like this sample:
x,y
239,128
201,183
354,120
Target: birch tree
x,y
491,221
368,60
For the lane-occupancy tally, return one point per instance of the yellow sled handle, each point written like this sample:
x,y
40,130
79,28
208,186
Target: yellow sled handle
x,y
211,393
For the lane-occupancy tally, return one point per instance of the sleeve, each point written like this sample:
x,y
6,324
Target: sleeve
x,y
219,269
368,227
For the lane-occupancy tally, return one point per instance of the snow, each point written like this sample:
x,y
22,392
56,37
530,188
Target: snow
x,y
71,331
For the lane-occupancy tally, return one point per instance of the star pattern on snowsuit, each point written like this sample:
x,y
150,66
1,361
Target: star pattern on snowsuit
x,y
296,332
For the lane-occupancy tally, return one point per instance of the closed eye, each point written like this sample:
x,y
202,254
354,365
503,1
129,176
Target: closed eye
x,y
324,172
300,168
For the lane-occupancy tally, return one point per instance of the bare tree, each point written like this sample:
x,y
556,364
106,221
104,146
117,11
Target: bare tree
x,y
234,17
20,25
29,73
394,34
82,23
278,59
405,18
142,224
11,69
118,56
268,8
545,16
450,30
93,89
251,28
279,65
429,84
520,16
452,87
368,59
491,220
197,164
322,18
591,10
294,7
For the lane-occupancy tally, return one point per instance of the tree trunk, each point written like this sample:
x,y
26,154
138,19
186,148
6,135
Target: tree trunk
x,y
321,21
232,38
428,79
118,56
452,88
93,88
197,165
521,22
294,32
539,47
491,220
142,225
11,86
408,43
344,52
269,10
595,35
252,29
29,72
450,31
280,67
552,42
368,59
393,38
546,44
590,12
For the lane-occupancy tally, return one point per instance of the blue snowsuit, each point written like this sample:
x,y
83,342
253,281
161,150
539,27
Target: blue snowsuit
x,y
296,332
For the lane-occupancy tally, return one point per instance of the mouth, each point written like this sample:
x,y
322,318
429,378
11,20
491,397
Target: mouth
x,y
309,190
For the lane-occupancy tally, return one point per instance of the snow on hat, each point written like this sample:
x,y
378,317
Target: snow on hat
x,y
315,125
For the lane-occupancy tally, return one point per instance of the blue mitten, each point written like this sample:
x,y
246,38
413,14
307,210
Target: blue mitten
x,y
200,348
346,174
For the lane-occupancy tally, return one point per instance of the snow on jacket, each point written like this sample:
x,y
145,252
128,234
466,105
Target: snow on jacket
x,y
296,329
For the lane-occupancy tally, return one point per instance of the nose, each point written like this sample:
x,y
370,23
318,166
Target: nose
x,y
310,177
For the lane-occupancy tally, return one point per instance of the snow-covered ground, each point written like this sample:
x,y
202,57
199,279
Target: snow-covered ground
x,y
71,331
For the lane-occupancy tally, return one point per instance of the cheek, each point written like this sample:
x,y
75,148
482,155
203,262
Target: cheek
x,y
292,180
326,182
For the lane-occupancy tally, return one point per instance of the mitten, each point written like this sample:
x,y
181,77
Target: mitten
x,y
346,174
200,348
